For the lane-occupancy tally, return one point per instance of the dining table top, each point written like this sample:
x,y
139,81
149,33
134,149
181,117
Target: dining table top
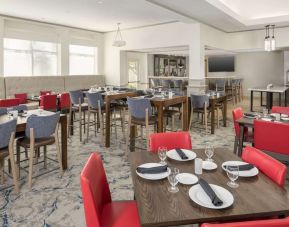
x,y
256,197
250,121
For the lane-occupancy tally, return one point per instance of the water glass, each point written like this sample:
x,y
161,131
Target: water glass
x,y
209,151
233,174
265,112
198,166
173,179
162,152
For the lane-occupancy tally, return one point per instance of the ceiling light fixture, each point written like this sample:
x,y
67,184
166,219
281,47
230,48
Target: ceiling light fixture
x,y
269,42
118,41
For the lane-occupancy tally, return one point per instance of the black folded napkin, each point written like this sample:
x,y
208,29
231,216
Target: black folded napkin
x,y
243,167
181,154
250,115
152,170
209,191
149,96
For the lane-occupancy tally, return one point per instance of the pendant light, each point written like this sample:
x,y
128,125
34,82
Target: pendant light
x,y
273,41
270,42
118,42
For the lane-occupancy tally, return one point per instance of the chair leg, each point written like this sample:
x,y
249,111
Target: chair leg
x,y
12,161
218,118
18,159
88,123
206,119
32,149
173,123
128,133
147,128
95,128
2,170
58,153
236,145
45,157
191,118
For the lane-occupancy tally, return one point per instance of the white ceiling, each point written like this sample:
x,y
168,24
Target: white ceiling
x,y
102,15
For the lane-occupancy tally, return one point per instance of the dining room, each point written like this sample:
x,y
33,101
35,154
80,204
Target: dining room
x,y
109,117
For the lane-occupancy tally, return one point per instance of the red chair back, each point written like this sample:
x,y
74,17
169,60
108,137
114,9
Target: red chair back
x,y
280,109
259,223
9,102
170,140
237,114
271,136
22,97
45,92
48,102
64,102
95,190
271,167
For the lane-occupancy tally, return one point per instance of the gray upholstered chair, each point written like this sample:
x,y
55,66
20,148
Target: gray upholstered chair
x,y
220,85
20,108
178,84
7,135
78,105
40,131
166,83
140,113
3,111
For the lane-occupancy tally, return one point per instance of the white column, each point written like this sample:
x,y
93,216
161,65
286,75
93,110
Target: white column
x,y
1,46
64,52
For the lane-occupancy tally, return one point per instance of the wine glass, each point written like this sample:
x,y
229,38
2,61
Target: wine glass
x,y
233,174
265,112
162,152
173,180
209,151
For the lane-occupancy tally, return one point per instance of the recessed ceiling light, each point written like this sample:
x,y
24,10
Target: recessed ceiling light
x,y
99,2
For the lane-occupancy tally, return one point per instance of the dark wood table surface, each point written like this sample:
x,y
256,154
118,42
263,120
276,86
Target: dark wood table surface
x,y
214,100
21,124
256,197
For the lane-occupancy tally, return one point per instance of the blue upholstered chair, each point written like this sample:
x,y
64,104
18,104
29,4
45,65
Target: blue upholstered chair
x,y
40,131
78,105
20,108
199,104
3,111
140,113
7,135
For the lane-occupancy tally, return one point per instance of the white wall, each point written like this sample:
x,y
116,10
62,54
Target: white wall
x,y
21,29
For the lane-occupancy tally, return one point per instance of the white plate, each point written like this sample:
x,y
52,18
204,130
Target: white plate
x,y
247,173
187,178
199,196
266,119
277,114
285,118
209,165
174,155
156,176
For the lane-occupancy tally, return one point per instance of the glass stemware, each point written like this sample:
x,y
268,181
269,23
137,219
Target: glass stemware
x,y
209,151
265,112
173,180
162,152
233,174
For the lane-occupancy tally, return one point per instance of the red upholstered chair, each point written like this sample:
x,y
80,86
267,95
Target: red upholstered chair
x,y
22,97
271,136
170,140
248,136
280,109
45,93
100,211
9,102
64,101
48,102
271,167
260,223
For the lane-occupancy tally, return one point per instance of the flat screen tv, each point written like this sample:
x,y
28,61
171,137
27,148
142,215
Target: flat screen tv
x,y
221,64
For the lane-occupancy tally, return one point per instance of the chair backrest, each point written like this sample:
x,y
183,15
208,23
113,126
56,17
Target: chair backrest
x,y
75,96
45,93
3,111
166,83
48,102
235,82
95,190
271,167
178,83
5,132
22,97
170,140
220,84
199,101
43,126
64,101
284,222
9,102
271,136
93,99
137,107
280,109
237,114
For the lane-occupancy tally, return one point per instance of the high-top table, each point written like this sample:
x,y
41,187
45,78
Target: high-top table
x,y
269,95
21,124
256,197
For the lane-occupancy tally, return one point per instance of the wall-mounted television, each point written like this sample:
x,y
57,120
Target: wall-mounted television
x,y
221,64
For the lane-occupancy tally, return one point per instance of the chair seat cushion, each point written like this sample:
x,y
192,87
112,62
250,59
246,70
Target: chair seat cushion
x,y
141,121
84,106
119,214
25,142
4,152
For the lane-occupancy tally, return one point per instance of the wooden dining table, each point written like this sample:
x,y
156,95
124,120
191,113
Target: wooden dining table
x,y
21,125
256,197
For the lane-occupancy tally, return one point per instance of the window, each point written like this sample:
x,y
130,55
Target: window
x,y
82,60
26,58
133,73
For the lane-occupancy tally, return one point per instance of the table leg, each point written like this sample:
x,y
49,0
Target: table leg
x,y
285,98
261,101
241,140
225,112
64,141
132,136
71,123
251,101
160,110
107,123
279,99
212,117
269,100
185,115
